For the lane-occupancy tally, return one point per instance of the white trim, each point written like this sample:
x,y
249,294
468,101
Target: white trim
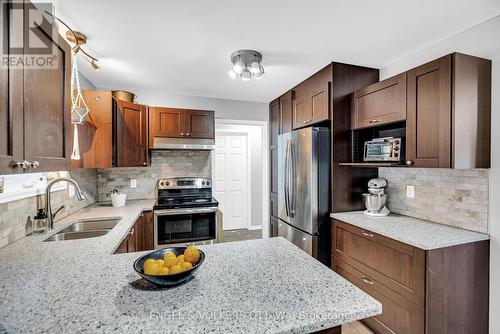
x,y
255,227
265,167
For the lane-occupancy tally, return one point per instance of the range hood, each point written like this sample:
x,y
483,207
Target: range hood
x,y
161,143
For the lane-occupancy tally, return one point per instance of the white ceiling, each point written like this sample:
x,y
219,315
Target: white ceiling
x,y
183,47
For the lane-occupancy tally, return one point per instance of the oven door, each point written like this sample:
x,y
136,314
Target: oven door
x,y
176,226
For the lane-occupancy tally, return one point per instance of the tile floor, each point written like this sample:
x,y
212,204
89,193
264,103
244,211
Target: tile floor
x,y
243,234
355,327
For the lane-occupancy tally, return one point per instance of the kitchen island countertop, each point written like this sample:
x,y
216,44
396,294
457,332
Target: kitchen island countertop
x,y
251,286
416,232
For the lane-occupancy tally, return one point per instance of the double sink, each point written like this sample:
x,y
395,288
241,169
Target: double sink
x,y
85,228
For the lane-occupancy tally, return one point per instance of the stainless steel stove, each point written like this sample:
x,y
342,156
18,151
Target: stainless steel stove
x,y
185,212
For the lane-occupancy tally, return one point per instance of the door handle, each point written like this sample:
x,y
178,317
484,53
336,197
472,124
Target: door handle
x,y
367,280
292,179
286,179
374,121
369,235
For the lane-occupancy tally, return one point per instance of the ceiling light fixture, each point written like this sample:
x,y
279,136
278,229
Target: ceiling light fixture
x,y
246,64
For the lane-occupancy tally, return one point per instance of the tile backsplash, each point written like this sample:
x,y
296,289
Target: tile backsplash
x,y
171,163
14,223
447,196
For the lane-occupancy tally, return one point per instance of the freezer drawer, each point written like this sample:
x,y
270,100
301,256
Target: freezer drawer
x,y
308,243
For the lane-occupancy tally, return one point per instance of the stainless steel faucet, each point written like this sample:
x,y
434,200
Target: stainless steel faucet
x,y
48,209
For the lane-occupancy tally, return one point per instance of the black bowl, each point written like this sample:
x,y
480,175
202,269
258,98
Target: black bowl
x,y
166,280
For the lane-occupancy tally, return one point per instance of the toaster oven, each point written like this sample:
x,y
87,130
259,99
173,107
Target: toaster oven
x,y
383,149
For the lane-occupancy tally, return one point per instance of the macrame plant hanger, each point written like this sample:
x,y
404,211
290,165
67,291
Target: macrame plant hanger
x,y
79,109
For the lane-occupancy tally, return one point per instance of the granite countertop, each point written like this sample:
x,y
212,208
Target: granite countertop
x,y
416,232
251,286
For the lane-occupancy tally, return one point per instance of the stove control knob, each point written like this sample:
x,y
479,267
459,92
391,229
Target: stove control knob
x,y
208,183
167,183
162,184
202,183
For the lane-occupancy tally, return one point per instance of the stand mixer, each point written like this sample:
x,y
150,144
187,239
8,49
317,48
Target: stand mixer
x,y
376,198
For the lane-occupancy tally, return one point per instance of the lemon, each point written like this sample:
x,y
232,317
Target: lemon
x,y
147,263
171,261
151,269
160,263
192,254
163,271
181,259
169,254
186,265
176,269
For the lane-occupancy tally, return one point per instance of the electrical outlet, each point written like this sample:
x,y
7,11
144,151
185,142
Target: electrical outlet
x,y
133,183
410,191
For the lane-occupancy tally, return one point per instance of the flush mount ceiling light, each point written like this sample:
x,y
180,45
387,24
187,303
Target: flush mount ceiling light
x,y
246,64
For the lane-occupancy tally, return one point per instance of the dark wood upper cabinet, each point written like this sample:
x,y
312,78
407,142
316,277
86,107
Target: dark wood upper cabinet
x,y
274,121
311,99
449,111
181,123
199,124
36,102
286,112
429,114
11,100
380,103
166,122
131,134
96,134
274,130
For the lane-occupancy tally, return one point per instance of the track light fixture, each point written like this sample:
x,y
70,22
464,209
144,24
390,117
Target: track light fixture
x,y
246,64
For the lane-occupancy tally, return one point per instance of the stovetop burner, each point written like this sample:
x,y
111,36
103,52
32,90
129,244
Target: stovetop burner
x,y
177,193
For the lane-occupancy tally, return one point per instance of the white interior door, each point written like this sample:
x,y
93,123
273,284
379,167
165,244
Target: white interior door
x,y
230,181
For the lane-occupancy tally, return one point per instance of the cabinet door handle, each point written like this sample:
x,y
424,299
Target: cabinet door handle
x,y
369,235
307,121
409,162
144,163
21,164
35,164
374,121
367,280
188,134
182,134
131,232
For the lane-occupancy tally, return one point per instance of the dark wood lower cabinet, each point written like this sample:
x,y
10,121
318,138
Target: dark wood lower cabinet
x,y
439,291
140,237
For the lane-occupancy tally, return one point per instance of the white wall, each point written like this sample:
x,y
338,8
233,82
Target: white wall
x,y
85,83
225,109
482,40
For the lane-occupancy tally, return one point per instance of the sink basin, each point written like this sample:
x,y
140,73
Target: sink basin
x,y
85,228
91,225
77,235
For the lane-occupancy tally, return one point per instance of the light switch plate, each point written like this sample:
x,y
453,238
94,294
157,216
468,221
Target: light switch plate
x,y
133,183
410,191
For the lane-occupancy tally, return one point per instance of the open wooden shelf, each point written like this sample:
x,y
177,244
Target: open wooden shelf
x,y
371,164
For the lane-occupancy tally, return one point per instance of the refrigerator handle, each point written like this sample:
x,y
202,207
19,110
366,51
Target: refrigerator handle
x,y
286,185
292,180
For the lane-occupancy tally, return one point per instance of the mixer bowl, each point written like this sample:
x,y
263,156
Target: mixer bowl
x,y
374,203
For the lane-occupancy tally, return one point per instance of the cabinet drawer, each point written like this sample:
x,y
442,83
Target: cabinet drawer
x,y
399,315
398,266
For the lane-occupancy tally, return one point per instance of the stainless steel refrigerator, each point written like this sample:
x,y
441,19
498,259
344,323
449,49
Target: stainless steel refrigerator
x,y
303,190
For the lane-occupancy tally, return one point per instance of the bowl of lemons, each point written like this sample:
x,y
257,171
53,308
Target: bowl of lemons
x,y
169,266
